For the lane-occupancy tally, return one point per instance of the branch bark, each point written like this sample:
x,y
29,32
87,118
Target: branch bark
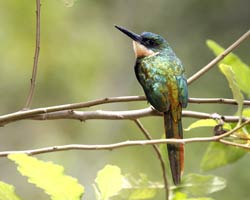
x,y
56,111
114,115
218,58
216,101
131,143
159,155
127,115
36,56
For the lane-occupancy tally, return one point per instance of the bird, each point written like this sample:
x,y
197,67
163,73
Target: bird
x,y
161,74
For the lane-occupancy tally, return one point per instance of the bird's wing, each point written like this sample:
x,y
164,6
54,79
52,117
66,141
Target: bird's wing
x,y
183,90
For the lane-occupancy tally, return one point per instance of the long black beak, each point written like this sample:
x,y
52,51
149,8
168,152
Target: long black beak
x,y
130,34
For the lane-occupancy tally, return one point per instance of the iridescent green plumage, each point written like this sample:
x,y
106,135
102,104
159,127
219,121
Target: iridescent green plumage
x,y
161,75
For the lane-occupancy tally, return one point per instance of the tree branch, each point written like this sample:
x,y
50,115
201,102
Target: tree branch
x,y
36,56
159,155
243,146
114,115
218,58
27,114
216,101
130,143
125,115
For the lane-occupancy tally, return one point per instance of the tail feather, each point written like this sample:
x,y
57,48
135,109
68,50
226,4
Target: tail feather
x,y
173,129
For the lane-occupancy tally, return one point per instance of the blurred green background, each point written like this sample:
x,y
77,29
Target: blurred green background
x,y
83,58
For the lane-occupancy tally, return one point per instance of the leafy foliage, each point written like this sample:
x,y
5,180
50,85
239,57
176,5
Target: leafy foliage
x,y
111,184
246,112
7,192
246,129
131,188
237,82
69,3
108,182
218,155
240,69
200,185
207,123
182,196
202,123
49,177
139,188
237,74
233,84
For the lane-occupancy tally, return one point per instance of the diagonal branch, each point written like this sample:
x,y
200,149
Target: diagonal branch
x,y
36,56
243,146
218,58
159,155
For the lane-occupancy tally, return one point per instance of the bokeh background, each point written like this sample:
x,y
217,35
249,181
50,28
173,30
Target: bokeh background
x,y
83,58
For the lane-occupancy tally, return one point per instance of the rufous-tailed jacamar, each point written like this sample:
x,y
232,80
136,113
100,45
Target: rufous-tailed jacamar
x,y
161,75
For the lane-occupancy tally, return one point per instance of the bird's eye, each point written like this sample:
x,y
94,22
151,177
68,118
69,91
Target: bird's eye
x,y
151,42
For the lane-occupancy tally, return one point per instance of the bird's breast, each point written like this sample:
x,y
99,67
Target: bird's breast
x,y
157,77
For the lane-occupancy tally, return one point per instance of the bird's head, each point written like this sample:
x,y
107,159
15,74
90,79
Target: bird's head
x,y
145,44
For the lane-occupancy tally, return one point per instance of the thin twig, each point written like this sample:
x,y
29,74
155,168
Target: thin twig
x,y
243,146
218,58
159,155
216,101
127,144
233,130
36,56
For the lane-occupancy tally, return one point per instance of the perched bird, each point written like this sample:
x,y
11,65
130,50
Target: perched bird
x,y
161,75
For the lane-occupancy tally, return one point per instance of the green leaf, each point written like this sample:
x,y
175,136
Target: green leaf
x,y
182,196
179,196
202,123
200,185
138,188
109,182
7,192
69,3
200,198
146,193
141,188
218,155
206,123
49,177
241,70
230,75
246,112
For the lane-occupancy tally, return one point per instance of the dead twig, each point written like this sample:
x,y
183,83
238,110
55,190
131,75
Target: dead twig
x,y
36,56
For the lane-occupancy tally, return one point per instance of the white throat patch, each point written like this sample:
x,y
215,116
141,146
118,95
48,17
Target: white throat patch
x,y
142,51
